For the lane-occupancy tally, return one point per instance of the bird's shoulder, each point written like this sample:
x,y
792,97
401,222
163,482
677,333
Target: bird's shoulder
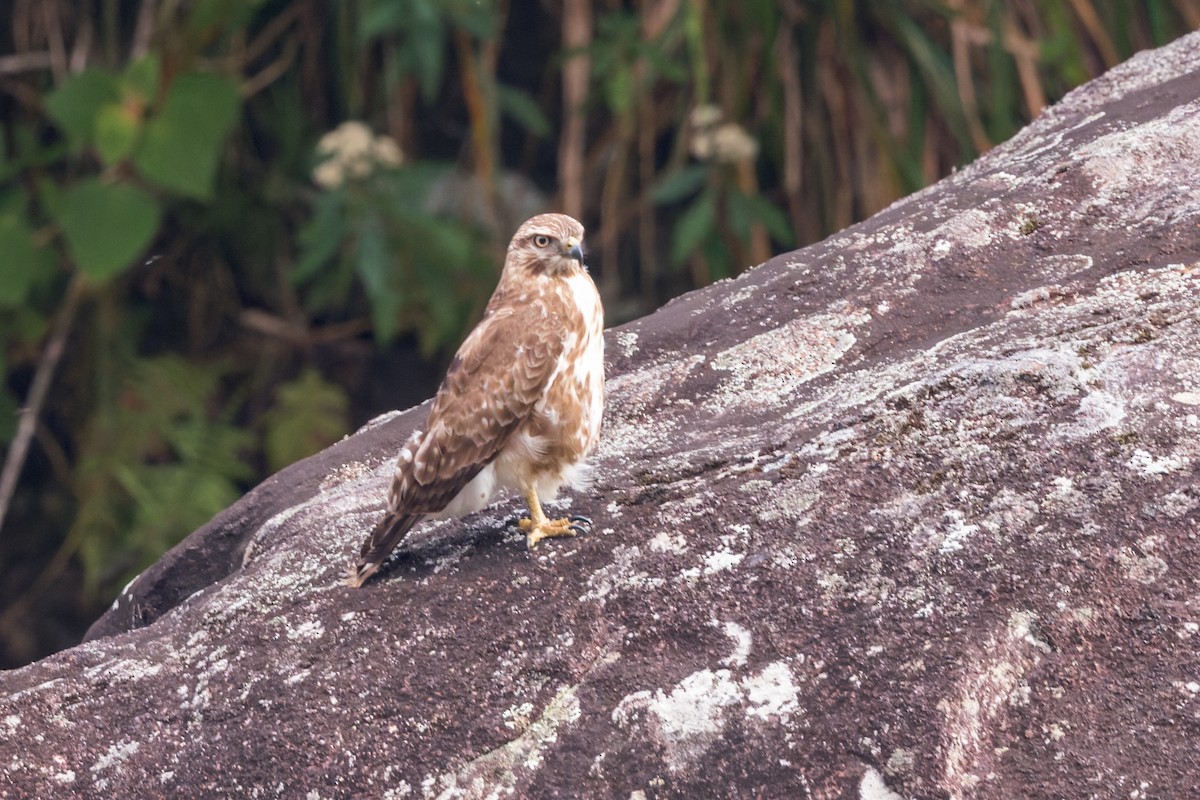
x,y
507,331
500,371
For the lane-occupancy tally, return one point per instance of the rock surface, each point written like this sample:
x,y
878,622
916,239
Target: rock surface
x,y
911,513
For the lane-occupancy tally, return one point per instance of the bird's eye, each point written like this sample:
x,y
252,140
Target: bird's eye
x,y
541,240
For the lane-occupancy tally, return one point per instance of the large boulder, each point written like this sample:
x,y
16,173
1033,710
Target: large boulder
x,y
911,513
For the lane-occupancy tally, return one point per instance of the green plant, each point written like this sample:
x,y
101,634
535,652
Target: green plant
x,y
134,142
420,271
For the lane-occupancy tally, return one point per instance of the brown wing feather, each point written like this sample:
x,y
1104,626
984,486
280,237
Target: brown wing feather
x,y
497,377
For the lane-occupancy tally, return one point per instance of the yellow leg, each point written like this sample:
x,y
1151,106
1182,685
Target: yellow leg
x,y
537,527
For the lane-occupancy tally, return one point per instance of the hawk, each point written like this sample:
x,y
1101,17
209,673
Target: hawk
x,y
520,405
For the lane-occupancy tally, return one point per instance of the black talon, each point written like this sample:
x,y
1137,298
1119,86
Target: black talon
x,y
578,528
579,518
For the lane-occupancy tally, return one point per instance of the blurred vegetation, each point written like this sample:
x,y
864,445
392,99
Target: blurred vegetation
x,y
205,274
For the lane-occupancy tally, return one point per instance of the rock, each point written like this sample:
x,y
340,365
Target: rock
x,y
911,513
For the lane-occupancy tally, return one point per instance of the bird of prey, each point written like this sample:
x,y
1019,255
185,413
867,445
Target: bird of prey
x,y
520,405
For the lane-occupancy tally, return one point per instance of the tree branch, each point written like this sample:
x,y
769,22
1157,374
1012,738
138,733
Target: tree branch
x,y
15,459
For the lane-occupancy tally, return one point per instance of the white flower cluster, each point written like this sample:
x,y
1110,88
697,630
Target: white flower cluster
x,y
723,142
351,150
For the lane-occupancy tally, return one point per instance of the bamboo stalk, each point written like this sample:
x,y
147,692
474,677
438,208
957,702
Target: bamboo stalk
x,y
577,66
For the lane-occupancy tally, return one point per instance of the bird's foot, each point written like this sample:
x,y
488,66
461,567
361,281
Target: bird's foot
x,y
535,531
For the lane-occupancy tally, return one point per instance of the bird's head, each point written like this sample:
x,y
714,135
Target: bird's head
x,y
548,243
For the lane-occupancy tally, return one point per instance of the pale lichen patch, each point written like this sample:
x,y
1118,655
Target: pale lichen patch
x,y
766,369
349,472
742,640
692,717
1141,562
1064,497
663,542
1123,164
518,716
771,693
990,683
872,787
116,755
626,342
956,531
620,574
1146,463
308,629
720,560
790,499
970,230
497,772
124,669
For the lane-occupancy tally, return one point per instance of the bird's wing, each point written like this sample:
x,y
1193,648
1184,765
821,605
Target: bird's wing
x,y
496,379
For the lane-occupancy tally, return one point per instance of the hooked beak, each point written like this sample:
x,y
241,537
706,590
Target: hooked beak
x,y
574,249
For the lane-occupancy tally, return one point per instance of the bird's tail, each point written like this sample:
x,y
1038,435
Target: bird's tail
x,y
387,535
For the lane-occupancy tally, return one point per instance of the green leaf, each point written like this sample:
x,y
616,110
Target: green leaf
x,y
76,104
441,254
106,225
322,235
380,19
22,263
522,108
438,245
309,413
183,141
667,66
737,212
116,132
681,184
49,194
209,17
693,226
478,19
211,447
618,90
374,268
936,70
772,217
420,26
716,258
428,58
152,465
25,324
141,78
7,167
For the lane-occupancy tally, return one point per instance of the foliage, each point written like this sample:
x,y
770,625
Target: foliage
x,y
170,221
155,464
308,414
419,271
